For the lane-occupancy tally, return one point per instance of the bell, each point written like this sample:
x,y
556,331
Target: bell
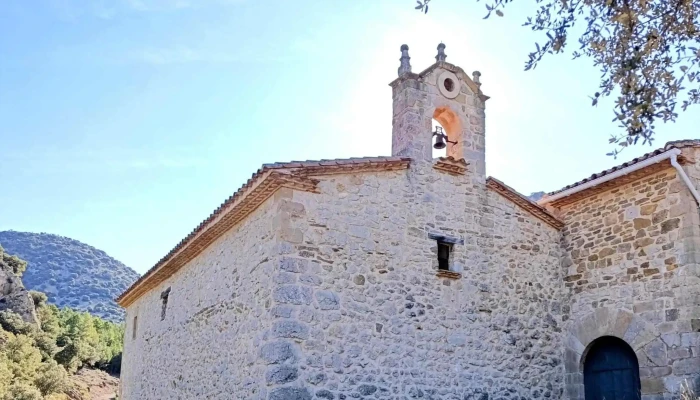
x,y
439,138
439,141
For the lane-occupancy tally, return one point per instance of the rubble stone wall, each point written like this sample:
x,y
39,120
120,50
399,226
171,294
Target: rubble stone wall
x,y
208,344
359,303
631,271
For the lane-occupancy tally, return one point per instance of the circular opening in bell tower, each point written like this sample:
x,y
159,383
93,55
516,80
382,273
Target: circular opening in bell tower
x,y
449,84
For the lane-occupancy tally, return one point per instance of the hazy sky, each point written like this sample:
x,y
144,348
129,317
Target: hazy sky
x,y
124,123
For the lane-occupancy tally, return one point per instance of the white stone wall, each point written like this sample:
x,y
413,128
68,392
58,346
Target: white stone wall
x,y
344,302
365,316
218,308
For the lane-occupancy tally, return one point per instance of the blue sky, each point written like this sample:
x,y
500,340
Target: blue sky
x,y
124,123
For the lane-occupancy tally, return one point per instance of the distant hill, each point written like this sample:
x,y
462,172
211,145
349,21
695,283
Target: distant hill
x,y
536,196
70,272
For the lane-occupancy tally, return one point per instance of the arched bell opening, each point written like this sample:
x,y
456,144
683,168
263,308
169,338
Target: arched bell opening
x,y
610,370
451,129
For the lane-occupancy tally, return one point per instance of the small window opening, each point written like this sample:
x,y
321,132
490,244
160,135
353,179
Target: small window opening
x,y
133,329
164,297
444,250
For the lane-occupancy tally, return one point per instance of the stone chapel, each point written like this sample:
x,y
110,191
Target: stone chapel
x,y
413,277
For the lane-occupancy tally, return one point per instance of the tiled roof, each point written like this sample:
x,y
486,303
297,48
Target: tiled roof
x,y
244,201
522,201
668,146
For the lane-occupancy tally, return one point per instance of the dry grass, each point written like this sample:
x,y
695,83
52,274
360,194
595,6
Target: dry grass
x,y
688,392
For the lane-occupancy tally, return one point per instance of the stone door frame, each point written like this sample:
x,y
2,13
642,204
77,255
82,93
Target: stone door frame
x,y
605,321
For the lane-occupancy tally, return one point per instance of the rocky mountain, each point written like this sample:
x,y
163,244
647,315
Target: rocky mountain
x,y
71,273
535,196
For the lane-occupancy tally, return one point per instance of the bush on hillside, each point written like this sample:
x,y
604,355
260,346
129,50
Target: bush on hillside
x,y
13,323
51,378
20,390
18,265
38,298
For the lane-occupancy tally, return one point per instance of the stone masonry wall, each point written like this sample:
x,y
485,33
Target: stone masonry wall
x,y
631,271
360,313
207,347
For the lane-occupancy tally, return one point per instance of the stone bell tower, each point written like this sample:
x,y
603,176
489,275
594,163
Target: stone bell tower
x,y
443,92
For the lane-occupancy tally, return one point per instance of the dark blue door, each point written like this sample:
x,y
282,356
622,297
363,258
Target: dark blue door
x,y
611,371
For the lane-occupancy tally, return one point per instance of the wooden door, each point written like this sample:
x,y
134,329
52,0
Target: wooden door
x,y
611,371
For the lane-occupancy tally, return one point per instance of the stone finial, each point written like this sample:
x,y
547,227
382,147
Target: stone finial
x,y
441,56
475,77
405,60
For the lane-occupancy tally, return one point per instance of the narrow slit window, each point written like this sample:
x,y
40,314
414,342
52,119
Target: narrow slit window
x,y
133,329
443,251
164,297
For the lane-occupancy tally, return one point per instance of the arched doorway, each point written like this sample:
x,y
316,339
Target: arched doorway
x,y
611,371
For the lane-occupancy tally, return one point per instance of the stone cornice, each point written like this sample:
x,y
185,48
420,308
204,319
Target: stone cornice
x,y
524,203
451,165
473,86
348,168
448,274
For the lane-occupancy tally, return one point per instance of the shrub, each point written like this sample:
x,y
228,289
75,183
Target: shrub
x,y
18,265
51,378
5,375
22,391
12,322
69,357
48,316
24,357
57,396
38,298
46,345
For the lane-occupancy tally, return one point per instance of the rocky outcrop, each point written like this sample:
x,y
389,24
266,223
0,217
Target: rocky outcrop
x,y
13,295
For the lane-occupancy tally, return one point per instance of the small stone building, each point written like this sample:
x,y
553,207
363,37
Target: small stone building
x,y
414,277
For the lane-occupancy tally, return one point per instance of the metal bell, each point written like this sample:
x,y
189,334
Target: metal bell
x,y
439,142
439,139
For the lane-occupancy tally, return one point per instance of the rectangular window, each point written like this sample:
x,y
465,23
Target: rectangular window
x,y
164,296
133,330
443,251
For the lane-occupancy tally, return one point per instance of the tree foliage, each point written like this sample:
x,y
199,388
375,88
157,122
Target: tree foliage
x,y
36,360
17,265
648,53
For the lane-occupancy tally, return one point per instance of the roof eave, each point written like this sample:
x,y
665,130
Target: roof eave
x,y
551,199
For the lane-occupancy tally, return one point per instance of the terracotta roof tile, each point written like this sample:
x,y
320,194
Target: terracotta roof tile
x,y
524,202
668,146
